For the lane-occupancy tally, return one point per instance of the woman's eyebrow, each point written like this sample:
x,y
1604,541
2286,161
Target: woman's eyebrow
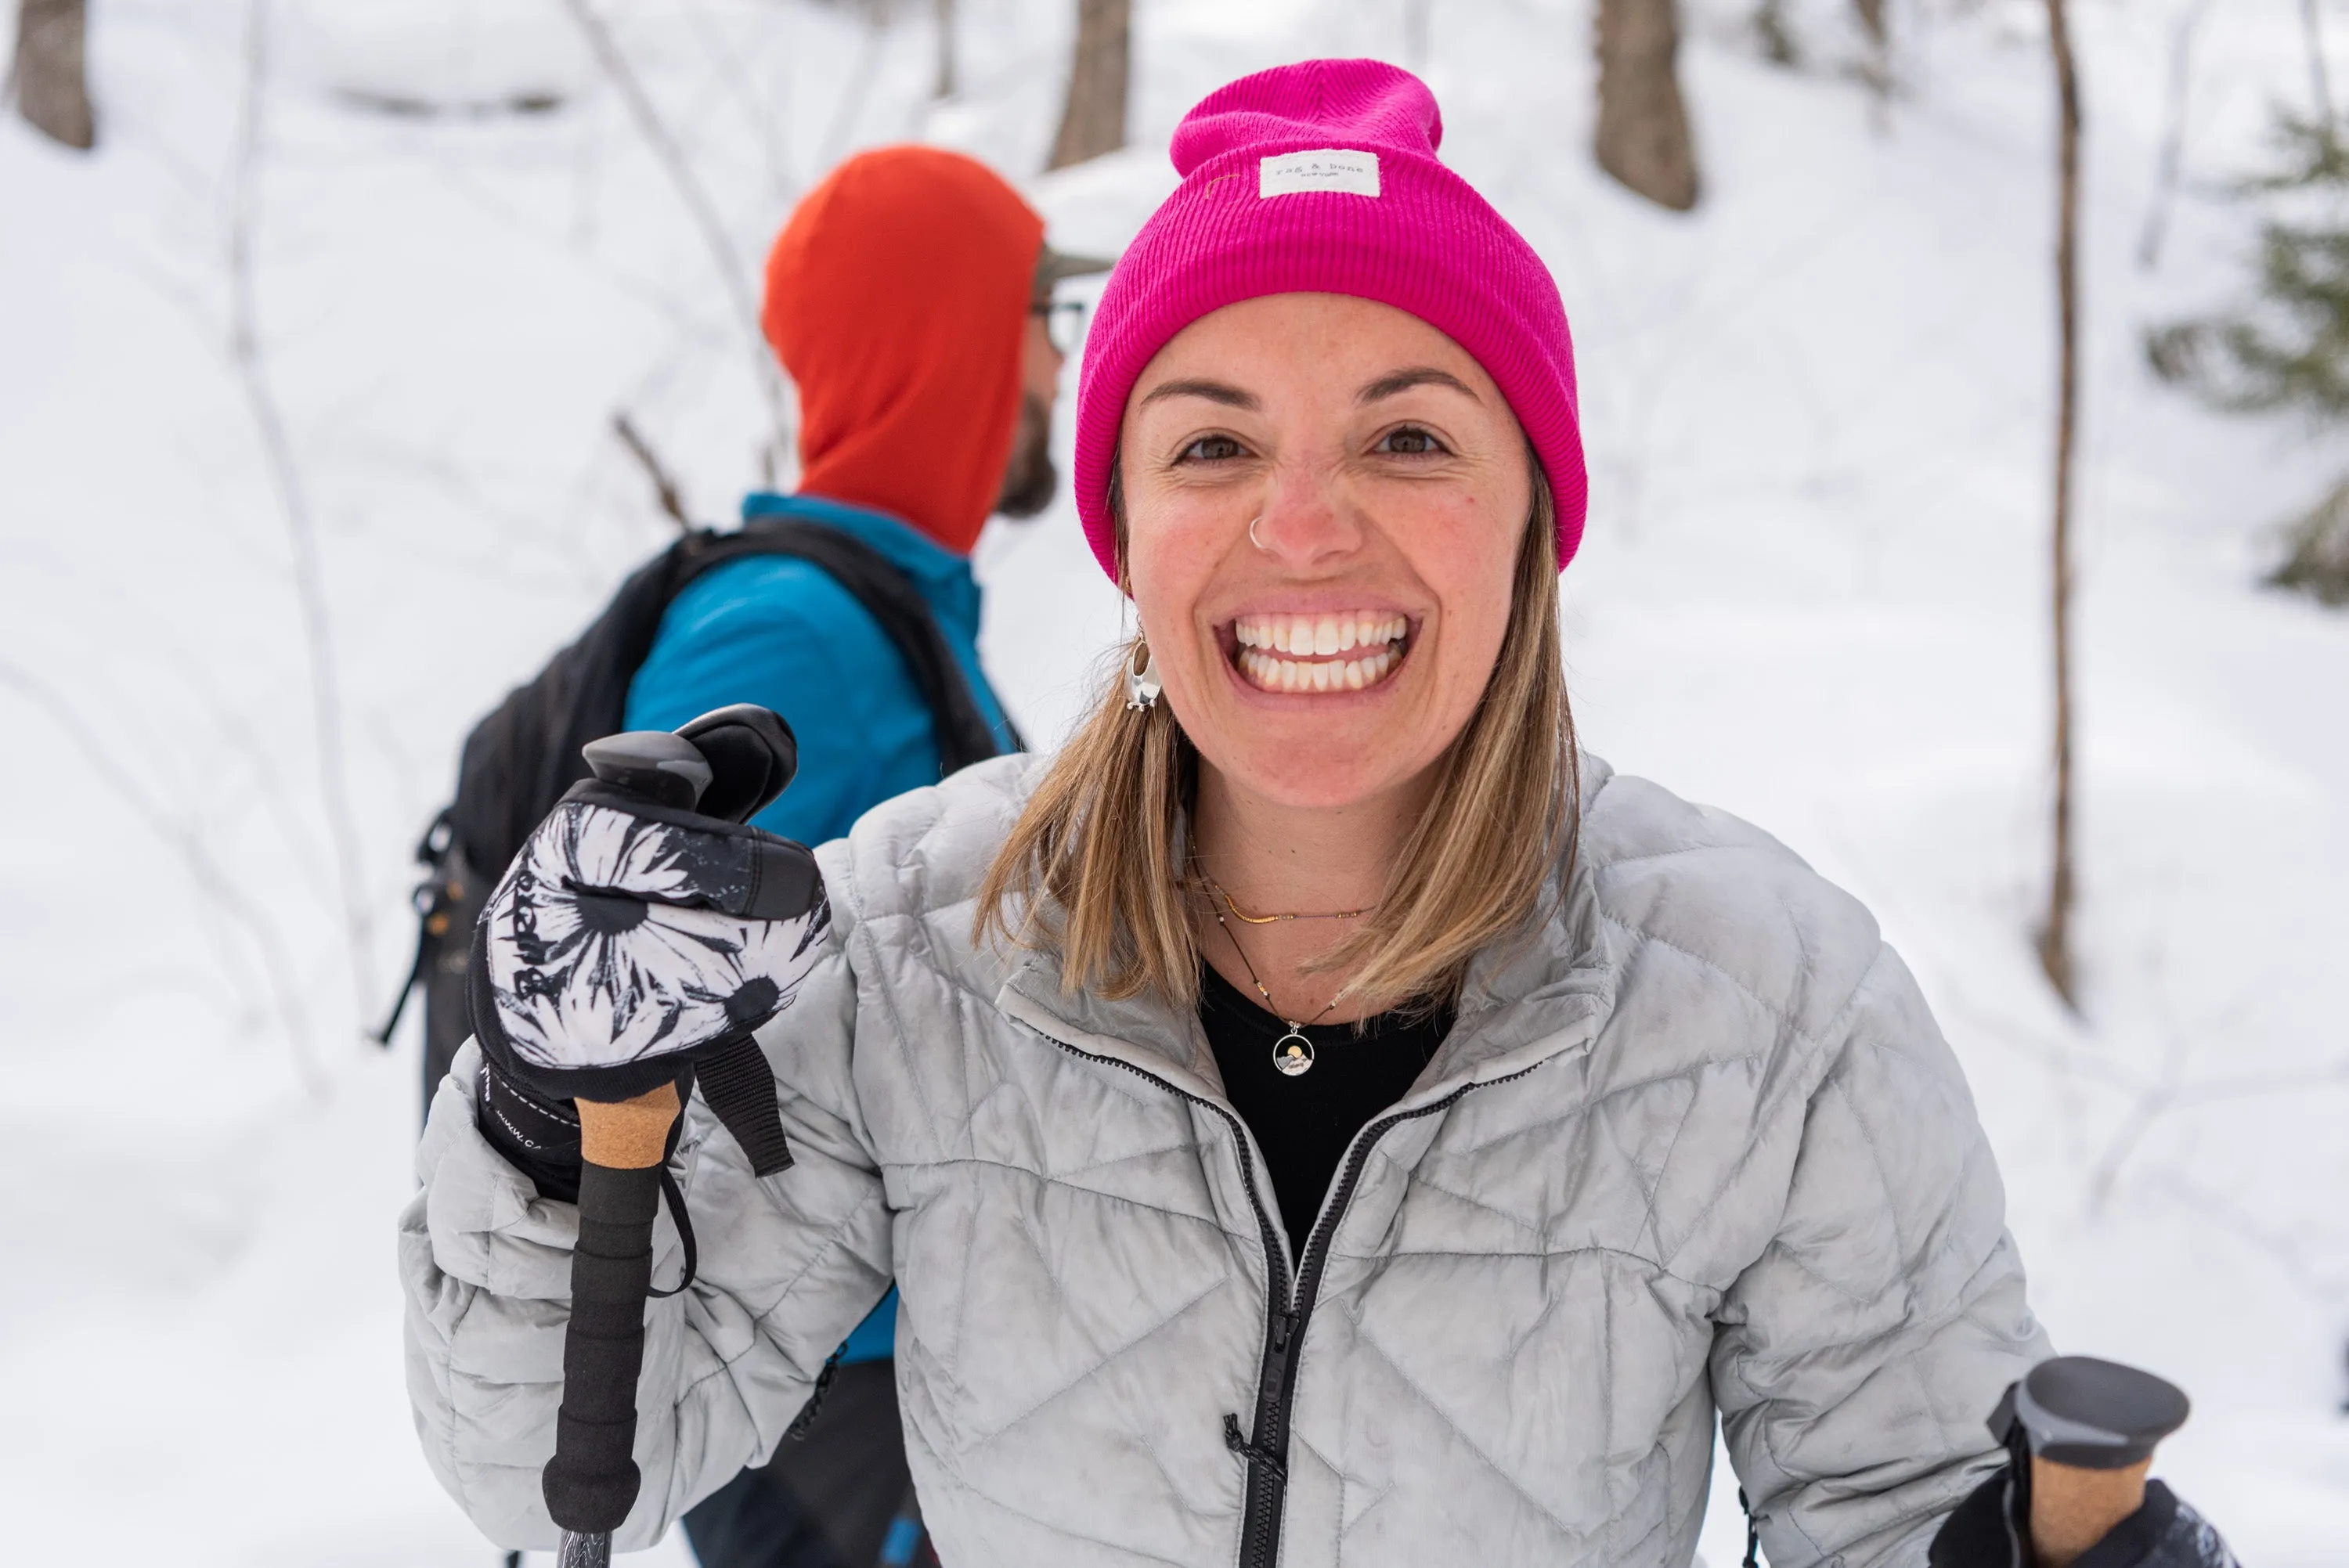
x,y
1417,376
1213,391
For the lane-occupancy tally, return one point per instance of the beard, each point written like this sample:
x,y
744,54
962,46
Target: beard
x,y
1029,480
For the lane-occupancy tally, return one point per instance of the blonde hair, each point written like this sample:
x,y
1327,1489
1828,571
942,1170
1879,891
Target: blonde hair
x,y
1097,863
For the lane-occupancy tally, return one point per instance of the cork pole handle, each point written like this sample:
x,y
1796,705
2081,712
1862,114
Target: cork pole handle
x,y
2088,1429
2072,1509
628,1134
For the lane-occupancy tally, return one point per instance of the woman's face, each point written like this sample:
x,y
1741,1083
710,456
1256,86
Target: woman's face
x,y
1335,655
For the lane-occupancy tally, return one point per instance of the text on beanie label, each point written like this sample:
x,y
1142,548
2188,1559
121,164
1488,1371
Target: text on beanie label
x,y
1325,169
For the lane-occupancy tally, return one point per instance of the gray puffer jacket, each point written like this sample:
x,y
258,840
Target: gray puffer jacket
x,y
1694,1144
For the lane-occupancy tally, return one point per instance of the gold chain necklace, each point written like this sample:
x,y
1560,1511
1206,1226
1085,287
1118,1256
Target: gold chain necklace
x,y
1292,1054
1238,913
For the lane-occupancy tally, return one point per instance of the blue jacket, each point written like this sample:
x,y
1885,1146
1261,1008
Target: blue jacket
x,y
782,633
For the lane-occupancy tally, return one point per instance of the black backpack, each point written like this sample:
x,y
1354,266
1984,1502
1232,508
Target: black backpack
x,y
519,760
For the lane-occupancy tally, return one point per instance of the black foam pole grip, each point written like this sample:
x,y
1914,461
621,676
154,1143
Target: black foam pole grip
x,y
591,1482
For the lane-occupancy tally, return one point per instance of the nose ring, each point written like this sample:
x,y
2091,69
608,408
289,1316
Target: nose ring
x,y
1252,538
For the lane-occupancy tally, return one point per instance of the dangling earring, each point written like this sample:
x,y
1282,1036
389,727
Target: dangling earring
x,y
1142,685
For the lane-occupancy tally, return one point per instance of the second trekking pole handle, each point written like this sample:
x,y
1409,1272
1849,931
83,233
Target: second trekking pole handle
x,y
2088,1430
591,1483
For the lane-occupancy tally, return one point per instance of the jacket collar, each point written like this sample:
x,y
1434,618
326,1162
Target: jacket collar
x,y
1523,1001
942,577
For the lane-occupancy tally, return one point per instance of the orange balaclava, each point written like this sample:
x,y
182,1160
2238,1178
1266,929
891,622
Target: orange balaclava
x,y
898,298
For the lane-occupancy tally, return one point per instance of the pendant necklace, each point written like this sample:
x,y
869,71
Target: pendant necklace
x,y
1292,1054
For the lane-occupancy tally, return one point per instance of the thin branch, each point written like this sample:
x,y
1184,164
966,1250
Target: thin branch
x,y
210,878
851,107
2150,1106
663,143
301,529
2320,82
2282,1244
2175,1095
665,488
765,121
942,84
2254,1086
2173,136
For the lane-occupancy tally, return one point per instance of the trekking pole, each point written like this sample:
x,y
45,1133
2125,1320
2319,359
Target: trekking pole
x,y
591,1482
2082,1432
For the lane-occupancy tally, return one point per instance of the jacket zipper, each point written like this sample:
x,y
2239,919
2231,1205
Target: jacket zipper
x,y
1286,1314
1276,1390
1265,1474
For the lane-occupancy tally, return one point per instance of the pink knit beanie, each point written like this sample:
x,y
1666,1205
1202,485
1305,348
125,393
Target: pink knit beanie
x,y
1323,178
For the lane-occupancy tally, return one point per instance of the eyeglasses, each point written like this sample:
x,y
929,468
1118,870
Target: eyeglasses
x,y
1064,322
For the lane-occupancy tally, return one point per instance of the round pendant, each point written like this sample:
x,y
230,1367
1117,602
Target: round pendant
x,y
1292,1052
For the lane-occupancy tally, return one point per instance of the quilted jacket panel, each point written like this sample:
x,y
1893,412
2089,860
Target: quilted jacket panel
x,y
1693,1145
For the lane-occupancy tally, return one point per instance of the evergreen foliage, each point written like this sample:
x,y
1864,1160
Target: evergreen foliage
x,y
2289,350
2316,559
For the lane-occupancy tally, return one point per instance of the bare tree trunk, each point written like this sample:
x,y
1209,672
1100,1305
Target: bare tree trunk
x,y
1643,129
1094,122
1878,71
2056,935
52,72
944,86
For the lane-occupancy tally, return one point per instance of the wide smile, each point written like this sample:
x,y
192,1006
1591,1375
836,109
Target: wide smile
x,y
1350,650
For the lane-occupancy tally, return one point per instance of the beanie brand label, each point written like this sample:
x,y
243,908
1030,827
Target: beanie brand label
x,y
1325,169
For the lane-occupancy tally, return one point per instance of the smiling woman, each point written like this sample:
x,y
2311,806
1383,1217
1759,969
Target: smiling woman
x,y
1341,550
1319,1117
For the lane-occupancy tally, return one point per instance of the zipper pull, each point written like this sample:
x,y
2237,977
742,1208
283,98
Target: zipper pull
x,y
1248,1450
1282,1322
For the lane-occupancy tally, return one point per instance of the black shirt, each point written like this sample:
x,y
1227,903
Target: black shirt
x,y
1303,1122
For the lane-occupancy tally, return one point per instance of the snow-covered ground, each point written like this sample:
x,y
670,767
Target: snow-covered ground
x,y
1818,412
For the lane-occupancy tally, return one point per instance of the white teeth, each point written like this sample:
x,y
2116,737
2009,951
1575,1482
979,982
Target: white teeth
x,y
1262,638
1270,674
1318,635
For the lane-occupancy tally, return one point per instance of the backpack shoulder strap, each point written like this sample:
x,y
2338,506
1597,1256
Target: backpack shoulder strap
x,y
520,757
895,606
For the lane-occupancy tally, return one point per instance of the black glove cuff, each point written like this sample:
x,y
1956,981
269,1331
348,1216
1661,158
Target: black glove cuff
x,y
1977,1535
539,1135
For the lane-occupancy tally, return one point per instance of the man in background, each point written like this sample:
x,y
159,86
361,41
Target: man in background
x,y
910,297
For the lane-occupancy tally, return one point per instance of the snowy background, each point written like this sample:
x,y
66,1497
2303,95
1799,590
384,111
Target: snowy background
x,y
306,457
